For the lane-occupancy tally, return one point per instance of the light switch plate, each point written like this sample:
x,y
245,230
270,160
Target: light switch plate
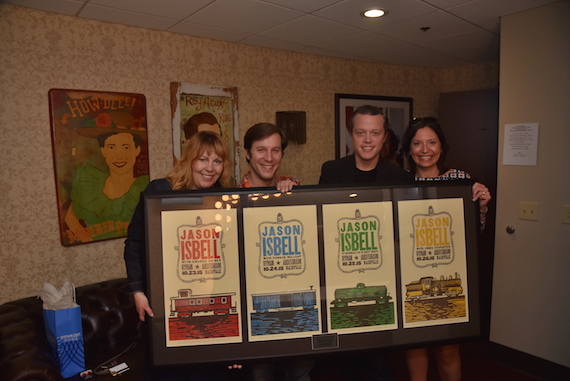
x,y
528,211
566,214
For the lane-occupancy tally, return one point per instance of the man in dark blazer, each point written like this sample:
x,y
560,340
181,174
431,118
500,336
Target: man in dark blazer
x,y
368,132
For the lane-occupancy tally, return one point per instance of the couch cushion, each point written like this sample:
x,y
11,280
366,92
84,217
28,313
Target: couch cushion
x,y
24,351
110,324
109,316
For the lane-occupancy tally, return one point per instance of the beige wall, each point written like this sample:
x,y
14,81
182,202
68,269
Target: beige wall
x,y
40,51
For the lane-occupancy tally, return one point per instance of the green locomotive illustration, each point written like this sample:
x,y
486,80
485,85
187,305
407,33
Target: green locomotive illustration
x,y
429,287
361,295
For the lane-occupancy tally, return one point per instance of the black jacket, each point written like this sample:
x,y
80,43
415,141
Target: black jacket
x,y
342,171
135,244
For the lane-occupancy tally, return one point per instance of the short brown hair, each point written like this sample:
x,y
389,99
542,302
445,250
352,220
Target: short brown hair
x,y
191,126
261,131
368,110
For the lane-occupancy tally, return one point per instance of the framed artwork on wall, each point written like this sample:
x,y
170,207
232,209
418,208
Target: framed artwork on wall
x,y
398,111
198,107
100,153
312,271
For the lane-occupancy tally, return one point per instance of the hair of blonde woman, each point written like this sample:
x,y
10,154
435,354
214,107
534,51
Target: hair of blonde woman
x,y
204,142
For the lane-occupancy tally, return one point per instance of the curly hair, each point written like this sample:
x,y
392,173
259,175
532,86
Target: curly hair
x,y
180,177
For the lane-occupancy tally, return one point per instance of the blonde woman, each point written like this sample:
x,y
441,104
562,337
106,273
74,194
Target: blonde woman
x,y
204,164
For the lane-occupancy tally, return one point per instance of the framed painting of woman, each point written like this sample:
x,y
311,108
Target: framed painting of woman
x,y
100,155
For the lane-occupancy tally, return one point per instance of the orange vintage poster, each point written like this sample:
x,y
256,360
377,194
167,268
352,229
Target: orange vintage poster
x,y
101,161
201,277
197,108
433,262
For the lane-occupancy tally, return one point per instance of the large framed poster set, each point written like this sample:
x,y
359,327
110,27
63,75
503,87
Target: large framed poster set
x,y
239,274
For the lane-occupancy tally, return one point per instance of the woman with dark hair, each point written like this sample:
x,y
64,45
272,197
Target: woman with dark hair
x,y
425,150
432,166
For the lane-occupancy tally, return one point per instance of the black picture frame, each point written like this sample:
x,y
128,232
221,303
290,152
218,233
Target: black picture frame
x,y
398,110
246,202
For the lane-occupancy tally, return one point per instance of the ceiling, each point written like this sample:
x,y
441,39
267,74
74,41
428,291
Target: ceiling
x,y
433,33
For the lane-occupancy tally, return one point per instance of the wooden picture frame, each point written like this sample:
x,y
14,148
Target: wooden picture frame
x,y
240,274
398,111
196,107
100,154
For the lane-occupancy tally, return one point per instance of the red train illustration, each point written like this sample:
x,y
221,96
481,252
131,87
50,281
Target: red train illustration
x,y
186,304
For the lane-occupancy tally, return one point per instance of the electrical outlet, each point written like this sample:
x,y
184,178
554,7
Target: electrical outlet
x,y
566,214
528,211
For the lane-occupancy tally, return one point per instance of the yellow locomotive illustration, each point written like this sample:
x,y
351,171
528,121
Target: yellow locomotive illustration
x,y
429,287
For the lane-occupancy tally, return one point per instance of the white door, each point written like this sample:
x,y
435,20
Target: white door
x,y
531,304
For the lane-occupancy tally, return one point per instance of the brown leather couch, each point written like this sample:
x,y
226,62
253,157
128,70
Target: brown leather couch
x,y
110,325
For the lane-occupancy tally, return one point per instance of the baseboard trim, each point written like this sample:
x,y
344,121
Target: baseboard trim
x,y
532,365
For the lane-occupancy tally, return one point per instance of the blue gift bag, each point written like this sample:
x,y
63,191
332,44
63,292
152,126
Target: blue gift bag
x,y
65,335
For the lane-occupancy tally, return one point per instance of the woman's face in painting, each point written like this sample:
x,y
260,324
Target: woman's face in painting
x,y
120,153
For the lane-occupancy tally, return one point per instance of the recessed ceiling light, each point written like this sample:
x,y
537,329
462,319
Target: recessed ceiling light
x,y
374,13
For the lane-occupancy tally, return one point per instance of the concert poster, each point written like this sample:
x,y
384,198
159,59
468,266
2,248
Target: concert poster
x,y
282,272
433,262
201,277
360,267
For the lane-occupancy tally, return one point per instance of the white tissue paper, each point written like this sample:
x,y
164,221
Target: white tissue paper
x,y
61,299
